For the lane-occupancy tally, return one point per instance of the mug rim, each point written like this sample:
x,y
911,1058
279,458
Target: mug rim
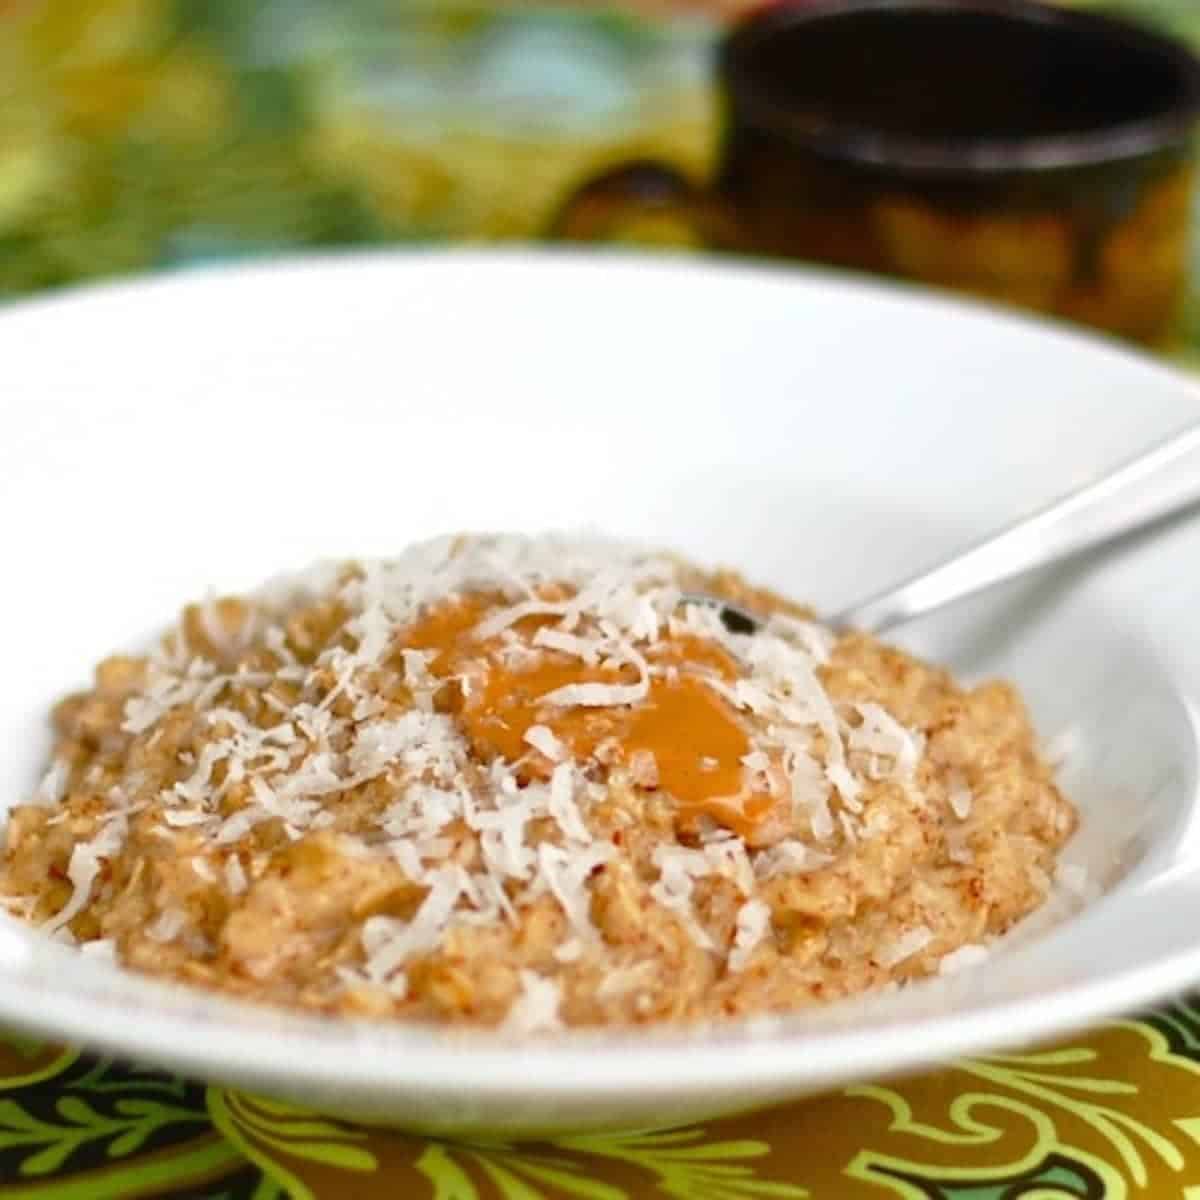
x,y
1119,141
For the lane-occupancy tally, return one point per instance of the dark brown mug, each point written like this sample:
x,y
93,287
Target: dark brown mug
x,y
1021,152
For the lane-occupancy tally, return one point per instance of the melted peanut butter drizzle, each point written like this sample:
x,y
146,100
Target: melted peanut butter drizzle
x,y
696,737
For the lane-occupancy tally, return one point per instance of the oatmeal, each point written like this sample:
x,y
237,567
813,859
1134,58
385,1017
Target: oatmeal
x,y
518,782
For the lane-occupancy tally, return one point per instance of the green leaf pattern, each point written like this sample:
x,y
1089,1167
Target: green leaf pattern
x,y
686,1164
124,1133
680,1163
1052,1124
269,1132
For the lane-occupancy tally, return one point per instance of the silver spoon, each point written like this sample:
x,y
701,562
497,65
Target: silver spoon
x,y
1143,491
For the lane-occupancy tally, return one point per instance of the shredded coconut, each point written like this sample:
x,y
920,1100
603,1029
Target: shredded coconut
x,y
911,942
624,980
235,876
182,818
959,796
53,786
597,695
167,926
389,942
569,951
542,739
84,867
564,873
563,806
790,857
677,868
751,925
535,1010
203,869
880,733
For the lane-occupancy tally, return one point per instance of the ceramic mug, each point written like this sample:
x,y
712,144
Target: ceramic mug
x,y
1021,152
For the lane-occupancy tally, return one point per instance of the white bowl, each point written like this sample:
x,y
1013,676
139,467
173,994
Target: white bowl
x,y
825,435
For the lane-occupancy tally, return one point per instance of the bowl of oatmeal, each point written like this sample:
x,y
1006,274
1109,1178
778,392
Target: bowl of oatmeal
x,y
518,782
497,831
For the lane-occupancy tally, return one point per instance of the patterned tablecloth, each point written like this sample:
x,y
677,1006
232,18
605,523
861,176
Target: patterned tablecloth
x,y
140,134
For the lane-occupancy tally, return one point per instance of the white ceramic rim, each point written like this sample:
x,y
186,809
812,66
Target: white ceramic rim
x,y
176,1026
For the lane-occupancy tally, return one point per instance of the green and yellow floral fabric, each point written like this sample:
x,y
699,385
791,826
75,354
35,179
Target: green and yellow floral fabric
x,y
154,134
1111,1115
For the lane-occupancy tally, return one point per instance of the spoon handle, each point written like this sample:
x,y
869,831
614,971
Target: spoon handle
x,y
1155,485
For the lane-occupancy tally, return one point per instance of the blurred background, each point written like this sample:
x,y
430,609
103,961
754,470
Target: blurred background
x,y
143,135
